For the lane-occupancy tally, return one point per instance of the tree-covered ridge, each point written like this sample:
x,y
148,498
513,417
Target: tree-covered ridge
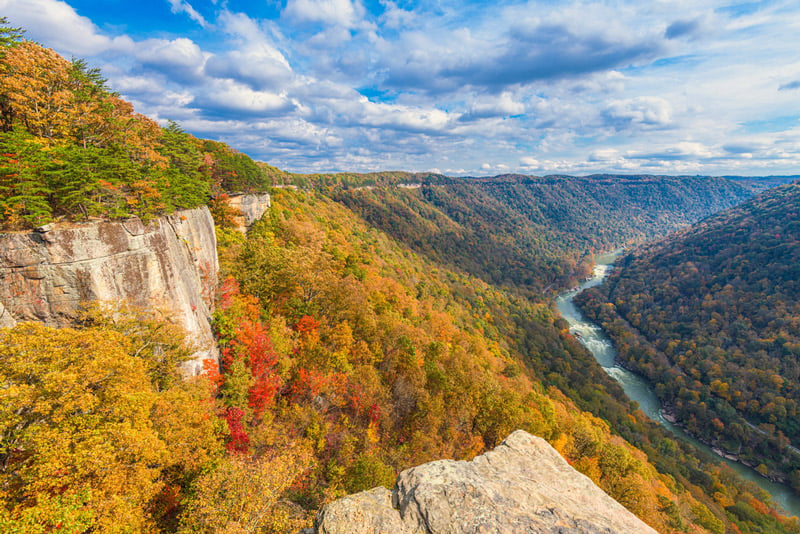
x,y
346,358
534,233
70,148
334,333
712,317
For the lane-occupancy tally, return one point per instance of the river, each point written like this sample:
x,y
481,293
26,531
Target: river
x,y
638,389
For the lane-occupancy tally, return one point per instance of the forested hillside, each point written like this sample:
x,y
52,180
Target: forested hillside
x,y
712,317
71,148
535,233
334,332
361,331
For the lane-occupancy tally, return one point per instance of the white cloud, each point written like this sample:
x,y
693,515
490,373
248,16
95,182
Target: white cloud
x,y
329,12
381,115
585,87
233,96
605,155
179,58
56,24
494,106
394,17
260,66
642,111
182,6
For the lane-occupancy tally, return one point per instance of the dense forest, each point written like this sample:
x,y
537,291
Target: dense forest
x,y
71,148
354,345
712,317
537,233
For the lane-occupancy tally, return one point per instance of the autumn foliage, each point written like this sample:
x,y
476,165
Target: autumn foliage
x,y
377,362
71,148
346,357
89,439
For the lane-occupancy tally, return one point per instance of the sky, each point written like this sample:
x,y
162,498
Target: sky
x,y
458,87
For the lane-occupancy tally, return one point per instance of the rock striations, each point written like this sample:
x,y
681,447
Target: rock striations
x,y
522,486
169,264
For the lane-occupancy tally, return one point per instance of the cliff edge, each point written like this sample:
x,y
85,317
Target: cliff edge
x,y
169,263
251,208
523,485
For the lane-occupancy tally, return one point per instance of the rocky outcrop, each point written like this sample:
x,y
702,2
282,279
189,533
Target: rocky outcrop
x,y
252,208
523,485
168,264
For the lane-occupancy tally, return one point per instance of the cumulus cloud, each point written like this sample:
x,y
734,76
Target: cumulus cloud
x,y
57,25
181,59
364,112
261,67
529,162
644,111
493,106
685,150
226,96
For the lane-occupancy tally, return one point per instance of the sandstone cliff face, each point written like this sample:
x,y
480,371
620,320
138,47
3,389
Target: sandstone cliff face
x,y
523,485
252,208
169,264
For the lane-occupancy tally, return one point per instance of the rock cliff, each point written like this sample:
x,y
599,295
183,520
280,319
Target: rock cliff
x,y
169,263
523,485
252,207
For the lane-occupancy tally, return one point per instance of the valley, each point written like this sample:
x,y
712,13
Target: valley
x,y
641,392
718,315
194,341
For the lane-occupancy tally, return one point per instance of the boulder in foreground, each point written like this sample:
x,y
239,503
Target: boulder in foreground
x,y
522,486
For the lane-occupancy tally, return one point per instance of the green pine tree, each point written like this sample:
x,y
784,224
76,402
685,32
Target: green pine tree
x,y
24,194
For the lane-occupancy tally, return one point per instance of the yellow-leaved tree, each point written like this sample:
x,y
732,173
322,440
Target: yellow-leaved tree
x,y
90,438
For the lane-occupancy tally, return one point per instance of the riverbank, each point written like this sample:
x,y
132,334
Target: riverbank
x,y
639,390
669,415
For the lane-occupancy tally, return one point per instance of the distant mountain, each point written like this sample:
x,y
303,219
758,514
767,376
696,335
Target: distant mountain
x,y
533,232
760,183
711,315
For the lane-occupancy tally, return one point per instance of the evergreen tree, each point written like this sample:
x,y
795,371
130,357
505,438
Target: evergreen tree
x,y
183,180
24,194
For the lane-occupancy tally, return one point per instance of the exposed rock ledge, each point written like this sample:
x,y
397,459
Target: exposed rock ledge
x,y
169,263
251,207
522,486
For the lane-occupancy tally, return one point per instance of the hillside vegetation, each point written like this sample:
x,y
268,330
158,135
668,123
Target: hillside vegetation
x,y
70,148
354,344
537,233
712,317
340,337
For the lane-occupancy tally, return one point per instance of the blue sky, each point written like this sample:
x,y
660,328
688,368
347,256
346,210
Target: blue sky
x,y
479,88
